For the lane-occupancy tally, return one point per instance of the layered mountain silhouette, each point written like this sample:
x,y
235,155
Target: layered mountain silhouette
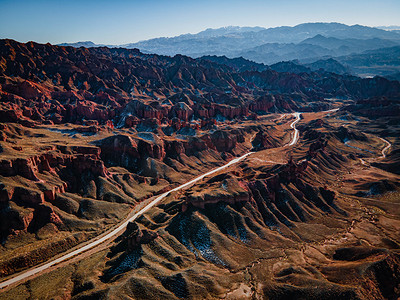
x,y
309,42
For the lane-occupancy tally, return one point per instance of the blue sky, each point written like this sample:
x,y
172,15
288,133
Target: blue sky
x,y
123,21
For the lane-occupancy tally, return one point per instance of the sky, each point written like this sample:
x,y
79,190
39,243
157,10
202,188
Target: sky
x,y
121,21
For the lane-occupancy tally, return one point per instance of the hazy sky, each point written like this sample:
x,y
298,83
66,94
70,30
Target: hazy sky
x,y
123,21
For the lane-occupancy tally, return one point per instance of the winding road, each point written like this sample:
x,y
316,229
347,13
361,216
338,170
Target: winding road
x,y
105,237
386,148
296,131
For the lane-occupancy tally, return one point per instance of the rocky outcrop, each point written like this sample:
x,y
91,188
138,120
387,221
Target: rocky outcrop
x,y
84,158
27,196
262,140
153,148
137,237
131,121
282,198
182,111
285,198
376,107
223,141
25,167
292,171
120,150
130,151
346,134
316,147
230,190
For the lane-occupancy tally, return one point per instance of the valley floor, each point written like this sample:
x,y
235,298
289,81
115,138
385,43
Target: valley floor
x,y
316,218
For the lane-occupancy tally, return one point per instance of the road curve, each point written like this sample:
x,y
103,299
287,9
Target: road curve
x,y
96,242
296,131
386,148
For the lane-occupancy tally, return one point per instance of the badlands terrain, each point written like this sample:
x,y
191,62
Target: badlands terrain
x,y
126,175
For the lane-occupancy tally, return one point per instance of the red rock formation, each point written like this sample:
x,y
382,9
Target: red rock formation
x,y
293,170
208,124
45,214
315,147
6,194
63,84
28,196
119,150
176,124
27,89
131,121
223,141
175,148
232,112
149,112
262,140
232,191
136,236
182,111
25,167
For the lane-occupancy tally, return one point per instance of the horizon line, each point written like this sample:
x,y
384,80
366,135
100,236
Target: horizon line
x,y
100,44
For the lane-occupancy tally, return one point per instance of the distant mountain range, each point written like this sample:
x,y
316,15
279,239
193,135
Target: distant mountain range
x,y
389,28
307,43
328,65
87,44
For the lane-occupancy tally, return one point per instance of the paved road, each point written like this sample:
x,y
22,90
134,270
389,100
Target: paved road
x,y
296,131
24,275
386,148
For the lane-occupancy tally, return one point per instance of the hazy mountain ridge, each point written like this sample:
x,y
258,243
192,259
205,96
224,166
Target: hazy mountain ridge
x,y
308,42
260,36
260,45
382,62
86,44
327,65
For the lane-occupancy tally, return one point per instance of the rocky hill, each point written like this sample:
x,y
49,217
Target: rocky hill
x,y
120,85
